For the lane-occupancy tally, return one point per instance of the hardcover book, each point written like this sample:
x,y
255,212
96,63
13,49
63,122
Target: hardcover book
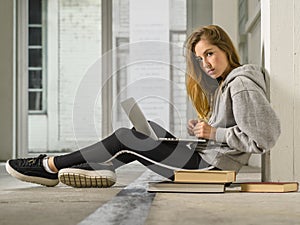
x,y
204,176
269,186
169,186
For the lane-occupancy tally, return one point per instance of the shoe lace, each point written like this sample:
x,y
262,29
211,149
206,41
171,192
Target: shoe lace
x,y
34,161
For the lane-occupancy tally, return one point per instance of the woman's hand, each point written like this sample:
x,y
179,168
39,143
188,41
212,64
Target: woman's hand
x,y
191,125
204,130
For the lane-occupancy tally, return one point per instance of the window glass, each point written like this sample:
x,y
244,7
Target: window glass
x,y
35,11
35,36
35,79
35,100
35,57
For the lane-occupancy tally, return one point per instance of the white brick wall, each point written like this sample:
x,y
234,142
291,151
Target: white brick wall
x,y
177,65
121,18
79,48
178,15
179,96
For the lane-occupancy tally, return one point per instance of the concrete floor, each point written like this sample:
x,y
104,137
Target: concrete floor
x,y
128,202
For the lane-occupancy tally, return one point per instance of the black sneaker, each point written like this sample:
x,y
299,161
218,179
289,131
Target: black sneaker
x,y
31,170
88,175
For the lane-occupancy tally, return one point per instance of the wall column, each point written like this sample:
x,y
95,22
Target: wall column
x,y
280,45
107,85
7,79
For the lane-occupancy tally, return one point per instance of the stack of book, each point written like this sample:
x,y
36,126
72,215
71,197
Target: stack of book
x,y
195,181
215,181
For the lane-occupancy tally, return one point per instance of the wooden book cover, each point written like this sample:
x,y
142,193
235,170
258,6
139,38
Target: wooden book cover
x,y
269,186
168,186
204,176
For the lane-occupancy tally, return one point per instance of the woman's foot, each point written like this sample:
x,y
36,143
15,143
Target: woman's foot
x,y
88,175
31,170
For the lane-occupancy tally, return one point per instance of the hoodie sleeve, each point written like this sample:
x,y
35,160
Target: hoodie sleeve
x,y
257,126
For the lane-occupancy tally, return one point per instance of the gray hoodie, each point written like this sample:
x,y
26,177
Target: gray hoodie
x,y
244,119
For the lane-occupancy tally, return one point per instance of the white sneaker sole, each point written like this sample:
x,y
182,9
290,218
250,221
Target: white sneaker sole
x,y
86,179
31,179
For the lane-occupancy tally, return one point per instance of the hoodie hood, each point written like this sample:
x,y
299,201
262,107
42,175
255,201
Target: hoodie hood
x,y
252,72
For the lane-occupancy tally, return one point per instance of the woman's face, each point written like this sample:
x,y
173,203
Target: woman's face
x,y
212,59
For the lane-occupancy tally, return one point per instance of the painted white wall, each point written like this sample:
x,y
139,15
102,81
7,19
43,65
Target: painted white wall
x,y
280,37
225,14
296,130
38,133
52,75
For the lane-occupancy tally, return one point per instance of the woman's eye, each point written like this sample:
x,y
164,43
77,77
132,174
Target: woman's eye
x,y
209,54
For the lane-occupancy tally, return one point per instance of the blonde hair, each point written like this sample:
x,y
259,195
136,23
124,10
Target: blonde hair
x,y
200,87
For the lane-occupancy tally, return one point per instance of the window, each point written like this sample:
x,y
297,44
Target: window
x,y
36,52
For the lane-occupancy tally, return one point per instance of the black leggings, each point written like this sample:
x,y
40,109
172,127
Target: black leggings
x,y
127,145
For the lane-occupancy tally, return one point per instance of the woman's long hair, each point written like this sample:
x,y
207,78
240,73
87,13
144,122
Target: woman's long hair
x,y
201,87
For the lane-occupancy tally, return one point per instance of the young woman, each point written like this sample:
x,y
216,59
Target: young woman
x,y
234,115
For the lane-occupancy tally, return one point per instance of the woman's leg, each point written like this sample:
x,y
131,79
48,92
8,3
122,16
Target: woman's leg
x,y
127,145
124,145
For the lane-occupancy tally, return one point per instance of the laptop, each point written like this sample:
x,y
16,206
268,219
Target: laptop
x,y
140,123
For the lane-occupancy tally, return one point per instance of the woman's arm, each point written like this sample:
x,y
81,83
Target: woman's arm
x,y
257,128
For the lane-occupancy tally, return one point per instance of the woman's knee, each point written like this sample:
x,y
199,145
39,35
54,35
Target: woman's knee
x,y
130,134
123,131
